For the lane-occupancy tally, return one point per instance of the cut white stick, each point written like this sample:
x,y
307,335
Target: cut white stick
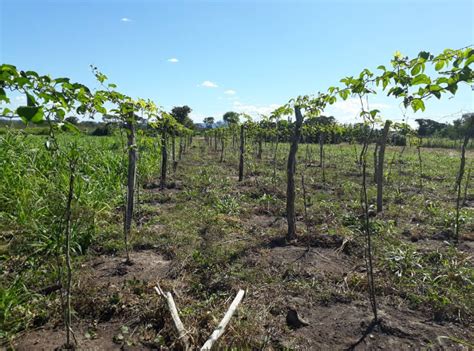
x,y
174,314
216,334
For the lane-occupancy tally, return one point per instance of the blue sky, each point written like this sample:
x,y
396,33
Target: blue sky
x,y
246,56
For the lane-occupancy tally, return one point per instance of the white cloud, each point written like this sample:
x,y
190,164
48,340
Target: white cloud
x,y
208,84
173,60
349,110
125,19
254,110
230,92
20,100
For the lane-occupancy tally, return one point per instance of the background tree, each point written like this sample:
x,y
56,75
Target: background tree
x,y
73,120
181,114
231,117
428,127
209,122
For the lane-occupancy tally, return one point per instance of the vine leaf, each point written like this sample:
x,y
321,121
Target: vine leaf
x,y
30,114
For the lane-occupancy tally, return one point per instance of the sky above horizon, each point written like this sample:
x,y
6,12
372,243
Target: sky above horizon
x,y
245,56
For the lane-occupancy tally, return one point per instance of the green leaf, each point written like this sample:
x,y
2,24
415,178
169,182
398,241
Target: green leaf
x,y
469,61
30,114
344,94
396,91
439,65
68,126
417,104
32,73
3,95
30,100
420,79
452,88
373,113
61,80
101,109
60,113
424,55
435,87
416,69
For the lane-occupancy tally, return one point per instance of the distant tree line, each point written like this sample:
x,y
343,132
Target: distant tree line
x,y
333,132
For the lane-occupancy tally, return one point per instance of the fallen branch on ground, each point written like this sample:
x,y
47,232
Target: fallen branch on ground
x,y
174,314
216,334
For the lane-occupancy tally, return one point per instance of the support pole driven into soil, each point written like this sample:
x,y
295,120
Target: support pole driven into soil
x,y
242,151
321,154
173,152
380,163
164,159
222,148
67,309
376,169
420,163
466,185
260,147
180,152
290,171
131,177
321,150
215,140
459,184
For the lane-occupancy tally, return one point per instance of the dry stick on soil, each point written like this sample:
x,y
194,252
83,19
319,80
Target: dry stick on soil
x,y
216,334
380,163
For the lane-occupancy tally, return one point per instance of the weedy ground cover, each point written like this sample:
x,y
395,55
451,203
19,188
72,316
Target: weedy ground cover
x,y
206,235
